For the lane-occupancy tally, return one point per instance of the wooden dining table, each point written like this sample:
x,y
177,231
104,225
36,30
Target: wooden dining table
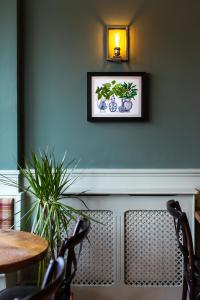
x,y
19,249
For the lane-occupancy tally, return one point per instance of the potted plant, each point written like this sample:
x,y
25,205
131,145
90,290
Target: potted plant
x,y
126,92
47,180
104,93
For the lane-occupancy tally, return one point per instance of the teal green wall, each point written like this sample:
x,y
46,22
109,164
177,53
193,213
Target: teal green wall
x,y
8,84
64,40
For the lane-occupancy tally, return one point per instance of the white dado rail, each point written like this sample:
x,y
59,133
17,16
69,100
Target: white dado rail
x,y
137,181
126,181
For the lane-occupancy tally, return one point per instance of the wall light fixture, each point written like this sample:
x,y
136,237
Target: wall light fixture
x,y
117,43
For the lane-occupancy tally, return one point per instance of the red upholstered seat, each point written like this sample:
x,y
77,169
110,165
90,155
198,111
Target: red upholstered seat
x,y
6,212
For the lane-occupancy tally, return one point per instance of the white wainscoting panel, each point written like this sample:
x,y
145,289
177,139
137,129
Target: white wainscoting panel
x,y
129,253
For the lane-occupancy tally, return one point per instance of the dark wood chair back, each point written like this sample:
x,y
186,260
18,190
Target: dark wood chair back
x,y
71,248
184,238
52,281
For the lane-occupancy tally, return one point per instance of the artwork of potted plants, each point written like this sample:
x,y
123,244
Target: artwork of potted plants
x,y
108,92
120,96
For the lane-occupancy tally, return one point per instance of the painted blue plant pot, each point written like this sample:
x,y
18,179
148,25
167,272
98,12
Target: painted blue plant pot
x,y
125,106
128,105
102,105
112,104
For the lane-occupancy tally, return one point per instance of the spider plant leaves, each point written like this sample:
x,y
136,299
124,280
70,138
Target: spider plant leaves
x,y
47,180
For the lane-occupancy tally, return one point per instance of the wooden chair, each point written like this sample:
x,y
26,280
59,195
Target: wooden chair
x,y
71,247
191,267
53,279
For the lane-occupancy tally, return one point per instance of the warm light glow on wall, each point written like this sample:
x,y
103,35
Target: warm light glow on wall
x,y
117,43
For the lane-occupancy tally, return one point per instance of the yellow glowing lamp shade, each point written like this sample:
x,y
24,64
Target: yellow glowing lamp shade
x,y
117,43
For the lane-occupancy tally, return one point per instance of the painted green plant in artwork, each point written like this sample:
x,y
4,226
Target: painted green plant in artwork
x,y
126,90
105,91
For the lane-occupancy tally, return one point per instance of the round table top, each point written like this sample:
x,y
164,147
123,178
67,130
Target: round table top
x,y
18,249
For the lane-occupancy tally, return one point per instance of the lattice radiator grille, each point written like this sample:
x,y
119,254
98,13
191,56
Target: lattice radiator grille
x,y
96,264
152,257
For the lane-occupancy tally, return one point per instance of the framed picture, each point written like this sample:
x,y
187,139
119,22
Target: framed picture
x,y
116,96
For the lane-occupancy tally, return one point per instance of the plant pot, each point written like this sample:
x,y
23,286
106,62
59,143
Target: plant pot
x,y
125,106
112,104
128,105
102,105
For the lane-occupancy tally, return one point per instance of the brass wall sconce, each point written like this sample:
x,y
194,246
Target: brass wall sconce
x,y
117,43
